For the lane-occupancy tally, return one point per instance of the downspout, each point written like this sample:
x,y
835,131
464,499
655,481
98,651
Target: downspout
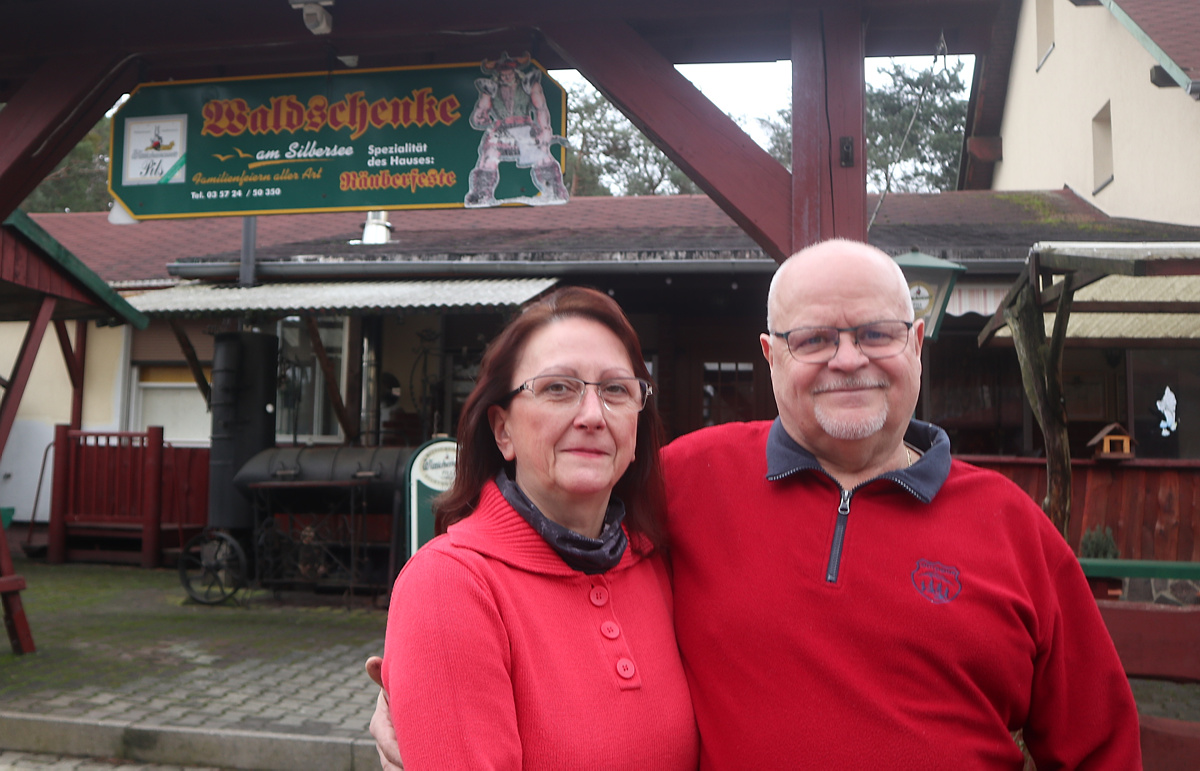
x,y
246,266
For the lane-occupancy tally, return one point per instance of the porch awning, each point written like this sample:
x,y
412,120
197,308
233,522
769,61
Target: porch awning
x,y
199,298
1133,310
969,297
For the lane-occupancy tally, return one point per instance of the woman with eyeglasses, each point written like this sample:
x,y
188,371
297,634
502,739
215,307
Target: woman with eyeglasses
x,y
536,631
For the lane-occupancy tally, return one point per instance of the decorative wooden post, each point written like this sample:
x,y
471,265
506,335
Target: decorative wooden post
x,y
152,462
1041,374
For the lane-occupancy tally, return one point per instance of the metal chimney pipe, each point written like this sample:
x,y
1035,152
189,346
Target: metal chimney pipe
x,y
377,229
249,233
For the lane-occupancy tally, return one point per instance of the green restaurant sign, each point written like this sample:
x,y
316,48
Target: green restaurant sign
x,y
475,135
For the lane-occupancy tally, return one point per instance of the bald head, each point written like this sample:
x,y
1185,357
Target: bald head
x,y
835,261
850,411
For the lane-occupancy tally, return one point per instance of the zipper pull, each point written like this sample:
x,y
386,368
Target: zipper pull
x,y
839,534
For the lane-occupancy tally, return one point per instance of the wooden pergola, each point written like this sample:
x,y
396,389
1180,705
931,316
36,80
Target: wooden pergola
x,y
63,64
1053,274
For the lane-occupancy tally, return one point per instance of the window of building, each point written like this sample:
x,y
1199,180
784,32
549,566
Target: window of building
x,y
304,411
728,391
1045,30
1102,149
167,396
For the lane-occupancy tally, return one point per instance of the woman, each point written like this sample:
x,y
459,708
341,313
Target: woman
x,y
536,632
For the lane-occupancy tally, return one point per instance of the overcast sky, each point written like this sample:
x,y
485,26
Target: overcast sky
x,y
753,90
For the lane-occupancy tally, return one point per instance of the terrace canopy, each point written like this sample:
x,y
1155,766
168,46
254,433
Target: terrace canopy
x,y
1100,293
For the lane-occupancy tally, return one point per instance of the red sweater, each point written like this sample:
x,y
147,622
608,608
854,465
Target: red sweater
x,y
500,656
949,624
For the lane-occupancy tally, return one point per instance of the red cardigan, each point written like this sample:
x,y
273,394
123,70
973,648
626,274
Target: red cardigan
x,y
949,624
499,656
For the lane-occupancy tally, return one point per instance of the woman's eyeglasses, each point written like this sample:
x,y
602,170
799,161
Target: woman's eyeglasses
x,y
619,394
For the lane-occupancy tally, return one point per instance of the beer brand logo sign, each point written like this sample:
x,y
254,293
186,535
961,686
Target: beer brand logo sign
x,y
936,582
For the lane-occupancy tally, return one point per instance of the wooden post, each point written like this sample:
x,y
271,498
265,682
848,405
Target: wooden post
x,y
73,357
829,165
152,464
193,361
15,386
59,490
11,585
1041,374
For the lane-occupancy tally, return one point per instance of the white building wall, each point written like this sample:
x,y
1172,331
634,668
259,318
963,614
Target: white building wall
x,y
1047,127
47,402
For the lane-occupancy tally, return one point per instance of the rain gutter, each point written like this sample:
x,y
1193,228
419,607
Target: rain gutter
x,y
378,269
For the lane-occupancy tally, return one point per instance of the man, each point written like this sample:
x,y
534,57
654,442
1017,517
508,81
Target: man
x,y
846,595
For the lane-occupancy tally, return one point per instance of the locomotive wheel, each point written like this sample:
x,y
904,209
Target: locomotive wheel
x,y
212,567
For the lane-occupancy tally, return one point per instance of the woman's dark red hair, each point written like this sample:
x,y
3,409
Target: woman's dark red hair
x,y
479,460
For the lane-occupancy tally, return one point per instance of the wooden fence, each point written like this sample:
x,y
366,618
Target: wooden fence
x,y
117,490
1152,506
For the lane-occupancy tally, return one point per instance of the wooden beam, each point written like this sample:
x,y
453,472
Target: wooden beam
x,y
74,367
331,383
999,318
744,180
23,366
810,149
73,356
1148,306
829,166
1127,259
193,361
51,113
985,149
845,83
1079,279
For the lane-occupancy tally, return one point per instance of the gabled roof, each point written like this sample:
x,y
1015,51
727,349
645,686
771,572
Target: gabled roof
x,y
972,227
1170,31
33,265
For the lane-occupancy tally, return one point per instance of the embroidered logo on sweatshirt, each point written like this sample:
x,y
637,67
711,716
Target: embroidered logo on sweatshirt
x,y
936,582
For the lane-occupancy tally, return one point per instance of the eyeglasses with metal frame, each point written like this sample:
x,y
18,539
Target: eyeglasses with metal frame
x,y
818,345
618,394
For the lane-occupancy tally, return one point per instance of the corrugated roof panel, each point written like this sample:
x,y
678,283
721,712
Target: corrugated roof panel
x,y
1126,326
1159,289
201,299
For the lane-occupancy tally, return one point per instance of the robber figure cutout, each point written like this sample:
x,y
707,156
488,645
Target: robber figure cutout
x,y
512,114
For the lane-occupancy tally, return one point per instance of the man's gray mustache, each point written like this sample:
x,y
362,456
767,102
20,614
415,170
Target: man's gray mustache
x,y
850,383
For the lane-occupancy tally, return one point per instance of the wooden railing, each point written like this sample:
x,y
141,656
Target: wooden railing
x,y
1152,506
114,488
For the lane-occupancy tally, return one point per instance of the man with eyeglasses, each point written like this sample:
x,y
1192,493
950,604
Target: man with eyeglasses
x,y
846,595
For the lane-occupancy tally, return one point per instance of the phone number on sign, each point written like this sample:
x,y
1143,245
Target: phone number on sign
x,y
254,192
